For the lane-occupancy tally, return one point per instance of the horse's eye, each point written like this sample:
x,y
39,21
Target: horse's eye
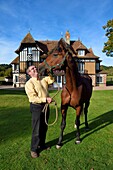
x,y
60,49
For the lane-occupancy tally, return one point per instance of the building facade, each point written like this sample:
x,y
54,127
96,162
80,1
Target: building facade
x,y
33,52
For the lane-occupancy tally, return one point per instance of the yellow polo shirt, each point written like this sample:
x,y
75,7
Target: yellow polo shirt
x,y
37,90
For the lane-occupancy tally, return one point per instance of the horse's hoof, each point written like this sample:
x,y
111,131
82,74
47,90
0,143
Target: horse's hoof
x,y
75,126
58,146
77,141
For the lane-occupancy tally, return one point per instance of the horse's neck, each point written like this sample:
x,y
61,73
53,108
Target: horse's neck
x,y
68,80
71,79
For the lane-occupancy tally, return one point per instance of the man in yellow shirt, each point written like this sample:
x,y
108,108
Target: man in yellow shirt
x,y
37,92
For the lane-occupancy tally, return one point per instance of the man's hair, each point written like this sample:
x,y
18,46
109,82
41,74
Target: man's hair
x,y
27,71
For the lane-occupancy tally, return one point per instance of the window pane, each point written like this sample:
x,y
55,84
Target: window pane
x,y
99,79
29,50
81,52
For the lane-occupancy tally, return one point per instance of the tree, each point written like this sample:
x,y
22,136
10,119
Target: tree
x,y
5,70
8,72
108,46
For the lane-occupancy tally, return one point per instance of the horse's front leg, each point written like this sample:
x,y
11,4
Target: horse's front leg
x,y
78,113
63,125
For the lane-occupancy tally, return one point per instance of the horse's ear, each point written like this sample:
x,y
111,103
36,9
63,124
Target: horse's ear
x,y
61,42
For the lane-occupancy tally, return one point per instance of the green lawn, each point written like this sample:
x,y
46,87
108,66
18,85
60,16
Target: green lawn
x,y
94,153
2,78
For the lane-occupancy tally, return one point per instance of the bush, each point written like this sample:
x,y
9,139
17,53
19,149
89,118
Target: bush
x,y
6,83
1,73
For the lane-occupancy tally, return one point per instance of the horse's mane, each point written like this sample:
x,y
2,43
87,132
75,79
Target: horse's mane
x,y
66,46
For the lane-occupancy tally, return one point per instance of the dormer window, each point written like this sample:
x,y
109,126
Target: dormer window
x,y
81,52
29,51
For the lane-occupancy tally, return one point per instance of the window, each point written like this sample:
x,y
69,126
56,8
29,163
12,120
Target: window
x,y
99,79
29,51
16,67
16,79
59,79
90,60
97,66
81,52
81,67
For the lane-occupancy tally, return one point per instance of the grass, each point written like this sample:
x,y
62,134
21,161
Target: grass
x,y
95,151
2,78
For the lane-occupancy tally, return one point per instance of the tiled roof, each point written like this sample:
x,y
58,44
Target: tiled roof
x,y
77,45
15,61
91,50
47,45
28,39
91,55
50,44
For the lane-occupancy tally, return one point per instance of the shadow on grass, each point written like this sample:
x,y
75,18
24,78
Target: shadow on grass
x,y
14,123
95,125
11,91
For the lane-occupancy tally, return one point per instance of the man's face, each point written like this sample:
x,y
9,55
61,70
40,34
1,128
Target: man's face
x,y
33,71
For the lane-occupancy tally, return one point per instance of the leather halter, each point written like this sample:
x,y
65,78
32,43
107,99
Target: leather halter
x,y
54,66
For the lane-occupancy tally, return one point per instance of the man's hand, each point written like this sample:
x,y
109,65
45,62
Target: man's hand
x,y
49,99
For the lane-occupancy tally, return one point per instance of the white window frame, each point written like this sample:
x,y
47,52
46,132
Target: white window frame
x,y
99,79
81,52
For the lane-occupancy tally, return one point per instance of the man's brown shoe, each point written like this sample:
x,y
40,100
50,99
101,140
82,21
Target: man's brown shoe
x,y
34,154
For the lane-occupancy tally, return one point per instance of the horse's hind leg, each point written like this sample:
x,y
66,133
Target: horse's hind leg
x,y
78,130
85,113
63,125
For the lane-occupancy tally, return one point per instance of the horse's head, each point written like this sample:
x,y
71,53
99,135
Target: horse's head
x,y
56,58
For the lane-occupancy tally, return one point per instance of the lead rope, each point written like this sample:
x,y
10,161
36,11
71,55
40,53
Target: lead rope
x,y
55,104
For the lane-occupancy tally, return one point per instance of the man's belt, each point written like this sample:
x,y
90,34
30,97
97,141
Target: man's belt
x,y
38,104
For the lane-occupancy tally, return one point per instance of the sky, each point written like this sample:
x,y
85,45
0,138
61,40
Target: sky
x,y
50,19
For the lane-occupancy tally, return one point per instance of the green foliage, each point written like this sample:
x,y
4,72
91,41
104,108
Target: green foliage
x,y
2,73
108,46
107,69
94,152
5,70
8,72
3,67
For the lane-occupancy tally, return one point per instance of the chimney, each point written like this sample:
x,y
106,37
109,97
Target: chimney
x,y
67,37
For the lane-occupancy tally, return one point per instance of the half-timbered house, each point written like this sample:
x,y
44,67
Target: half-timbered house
x,y
32,52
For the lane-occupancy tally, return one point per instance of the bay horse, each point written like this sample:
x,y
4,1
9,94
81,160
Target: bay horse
x,y
78,89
